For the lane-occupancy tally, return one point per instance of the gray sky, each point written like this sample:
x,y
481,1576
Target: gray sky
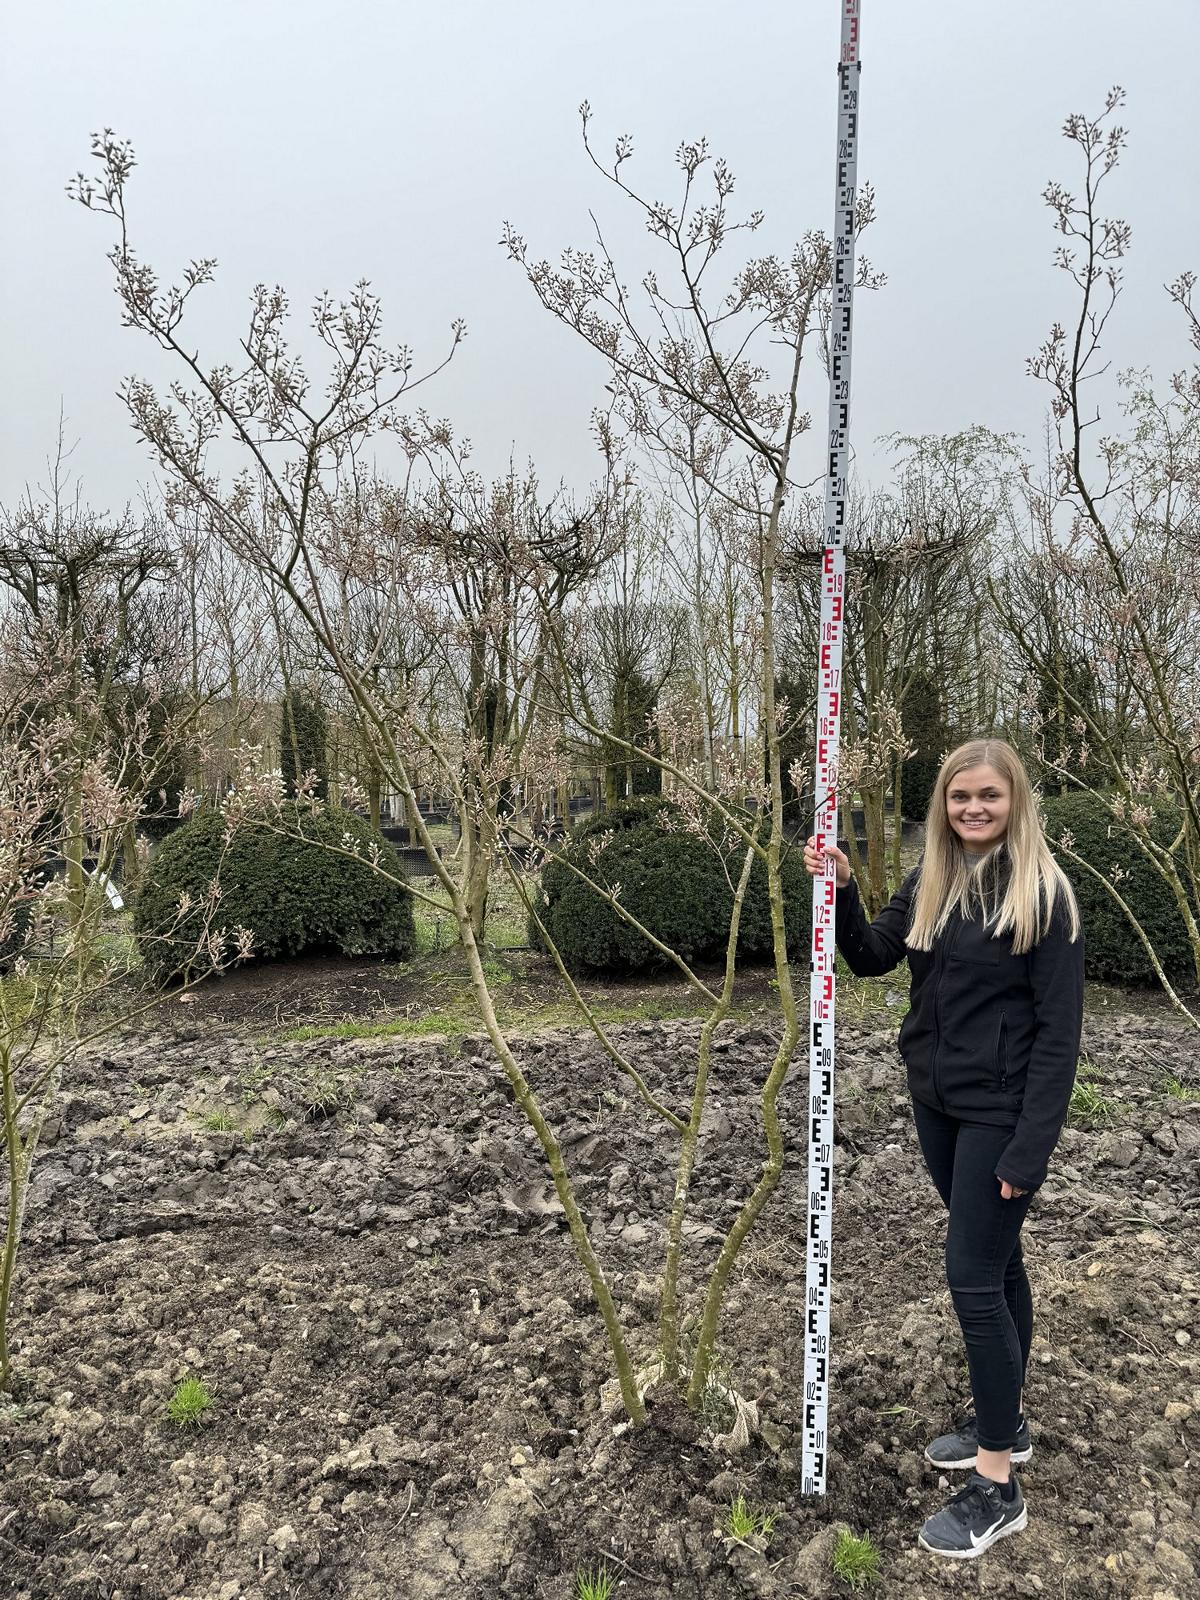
x,y
310,145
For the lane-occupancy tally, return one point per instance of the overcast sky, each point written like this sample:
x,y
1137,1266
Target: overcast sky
x,y
312,144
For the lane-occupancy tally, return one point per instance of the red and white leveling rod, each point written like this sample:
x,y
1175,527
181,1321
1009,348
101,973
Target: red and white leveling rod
x,y
829,701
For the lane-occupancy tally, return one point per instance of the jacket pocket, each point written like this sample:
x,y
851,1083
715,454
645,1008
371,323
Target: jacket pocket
x,y
976,954
1002,1054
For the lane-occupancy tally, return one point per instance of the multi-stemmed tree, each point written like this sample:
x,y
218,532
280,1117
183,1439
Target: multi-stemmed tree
x,y
282,514
683,349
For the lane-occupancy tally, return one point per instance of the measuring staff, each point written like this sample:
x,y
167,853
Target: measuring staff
x,y
829,697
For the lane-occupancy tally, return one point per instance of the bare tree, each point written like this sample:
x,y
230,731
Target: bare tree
x,y
96,592
680,350
1119,518
277,515
64,991
504,557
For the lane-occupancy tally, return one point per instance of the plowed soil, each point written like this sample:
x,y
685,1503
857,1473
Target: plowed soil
x,y
370,1273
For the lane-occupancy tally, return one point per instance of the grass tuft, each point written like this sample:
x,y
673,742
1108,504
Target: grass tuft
x,y
1177,1089
1089,1108
323,1094
743,1520
855,1560
593,1584
189,1403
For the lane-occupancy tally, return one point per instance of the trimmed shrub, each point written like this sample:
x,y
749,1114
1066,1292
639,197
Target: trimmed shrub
x,y
295,895
302,741
634,701
924,725
795,745
1113,951
1057,735
672,882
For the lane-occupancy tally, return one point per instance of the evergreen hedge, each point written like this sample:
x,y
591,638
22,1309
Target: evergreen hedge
x,y
302,741
12,945
795,745
923,721
295,895
1113,952
673,883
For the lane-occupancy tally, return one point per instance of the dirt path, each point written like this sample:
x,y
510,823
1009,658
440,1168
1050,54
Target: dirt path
x,y
373,1280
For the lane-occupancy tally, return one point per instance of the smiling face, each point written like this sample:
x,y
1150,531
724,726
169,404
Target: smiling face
x,y
977,806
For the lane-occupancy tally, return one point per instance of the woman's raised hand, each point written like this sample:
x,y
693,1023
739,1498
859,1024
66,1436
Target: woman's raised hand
x,y
814,864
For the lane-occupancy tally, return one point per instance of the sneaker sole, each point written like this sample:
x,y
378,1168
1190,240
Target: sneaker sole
x,y
1019,1457
1017,1525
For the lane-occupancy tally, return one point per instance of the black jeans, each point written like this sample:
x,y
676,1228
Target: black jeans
x,y
984,1267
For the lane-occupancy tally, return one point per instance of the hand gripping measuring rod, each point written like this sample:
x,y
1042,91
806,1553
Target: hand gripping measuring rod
x,y
829,700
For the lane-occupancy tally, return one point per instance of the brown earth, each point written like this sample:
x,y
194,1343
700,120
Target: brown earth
x,y
334,989
372,1279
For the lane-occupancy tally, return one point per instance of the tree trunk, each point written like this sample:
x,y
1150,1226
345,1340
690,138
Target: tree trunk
x,y
129,857
480,835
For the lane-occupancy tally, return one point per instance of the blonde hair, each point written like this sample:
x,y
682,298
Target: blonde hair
x,y
1016,883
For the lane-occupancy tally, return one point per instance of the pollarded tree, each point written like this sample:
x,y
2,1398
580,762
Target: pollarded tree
x,y
631,638
508,557
95,591
910,607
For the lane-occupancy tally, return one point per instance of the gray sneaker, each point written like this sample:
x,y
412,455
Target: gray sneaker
x,y
973,1519
958,1449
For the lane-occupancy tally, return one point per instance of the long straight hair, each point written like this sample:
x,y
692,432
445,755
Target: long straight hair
x,y
1015,884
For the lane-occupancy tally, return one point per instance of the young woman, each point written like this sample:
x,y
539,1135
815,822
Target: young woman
x,y
991,931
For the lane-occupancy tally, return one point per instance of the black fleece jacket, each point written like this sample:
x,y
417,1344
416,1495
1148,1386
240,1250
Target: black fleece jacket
x,y
990,1036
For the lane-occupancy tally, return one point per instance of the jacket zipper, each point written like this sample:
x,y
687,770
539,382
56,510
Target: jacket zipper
x,y
937,1013
1003,1053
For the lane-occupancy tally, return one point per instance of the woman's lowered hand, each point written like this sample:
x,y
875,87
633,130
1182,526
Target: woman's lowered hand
x,y
815,864
1007,1191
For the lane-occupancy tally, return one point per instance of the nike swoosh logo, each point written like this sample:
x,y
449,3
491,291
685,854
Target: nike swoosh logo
x,y
978,1538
